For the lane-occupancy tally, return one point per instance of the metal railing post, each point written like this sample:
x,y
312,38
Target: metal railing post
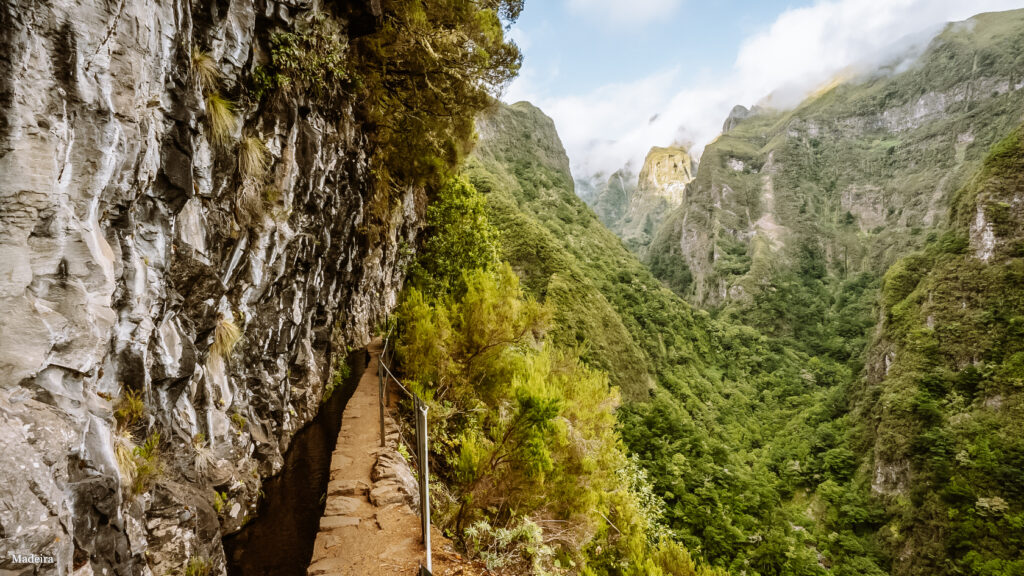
x,y
423,457
380,391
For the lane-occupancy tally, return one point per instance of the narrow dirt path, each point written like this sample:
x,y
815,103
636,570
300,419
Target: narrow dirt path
x,y
368,528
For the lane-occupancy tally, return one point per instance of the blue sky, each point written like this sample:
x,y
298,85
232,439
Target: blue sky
x,y
620,76
581,48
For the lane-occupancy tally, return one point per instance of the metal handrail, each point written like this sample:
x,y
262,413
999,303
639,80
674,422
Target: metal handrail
x,y
422,445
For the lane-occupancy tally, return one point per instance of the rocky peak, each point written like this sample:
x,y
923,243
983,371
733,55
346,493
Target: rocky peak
x,y
666,173
736,115
632,205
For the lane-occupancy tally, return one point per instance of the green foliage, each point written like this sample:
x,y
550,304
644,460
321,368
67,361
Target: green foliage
x,y
521,546
856,193
309,60
728,424
220,119
459,238
130,410
148,465
198,566
949,406
884,444
423,76
523,432
239,421
340,372
220,500
787,445
672,269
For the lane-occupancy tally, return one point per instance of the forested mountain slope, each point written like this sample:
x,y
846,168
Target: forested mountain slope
x,y
795,215
715,412
941,414
787,455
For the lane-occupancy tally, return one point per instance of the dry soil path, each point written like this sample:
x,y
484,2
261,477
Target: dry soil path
x,y
357,537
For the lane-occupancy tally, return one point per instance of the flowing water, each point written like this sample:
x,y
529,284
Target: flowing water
x,y
279,541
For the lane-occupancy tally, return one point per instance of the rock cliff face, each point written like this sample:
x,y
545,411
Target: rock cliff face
x,y
948,341
609,196
124,255
632,205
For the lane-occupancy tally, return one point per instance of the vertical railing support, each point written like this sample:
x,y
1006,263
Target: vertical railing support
x,y
380,392
423,457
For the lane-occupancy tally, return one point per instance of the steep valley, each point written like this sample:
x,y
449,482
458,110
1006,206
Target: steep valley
x,y
857,232
800,355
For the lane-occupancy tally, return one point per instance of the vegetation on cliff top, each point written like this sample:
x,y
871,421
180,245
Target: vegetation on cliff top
x,y
420,76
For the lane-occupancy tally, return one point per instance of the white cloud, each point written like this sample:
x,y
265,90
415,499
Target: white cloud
x,y
618,12
804,48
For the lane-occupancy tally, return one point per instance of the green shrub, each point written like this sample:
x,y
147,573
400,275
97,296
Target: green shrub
x,y
220,500
309,60
425,74
239,422
148,465
521,545
339,373
459,239
130,410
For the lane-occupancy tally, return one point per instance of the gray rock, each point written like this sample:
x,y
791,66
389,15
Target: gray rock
x,y
393,480
120,251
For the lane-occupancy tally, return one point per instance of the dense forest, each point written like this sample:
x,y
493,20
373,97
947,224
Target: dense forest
x,y
844,405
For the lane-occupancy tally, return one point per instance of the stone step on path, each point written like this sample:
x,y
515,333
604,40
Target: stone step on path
x,y
371,525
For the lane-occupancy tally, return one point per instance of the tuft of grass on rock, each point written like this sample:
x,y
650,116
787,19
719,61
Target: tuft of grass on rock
x,y
204,458
249,204
198,566
220,116
253,158
124,453
226,335
205,71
